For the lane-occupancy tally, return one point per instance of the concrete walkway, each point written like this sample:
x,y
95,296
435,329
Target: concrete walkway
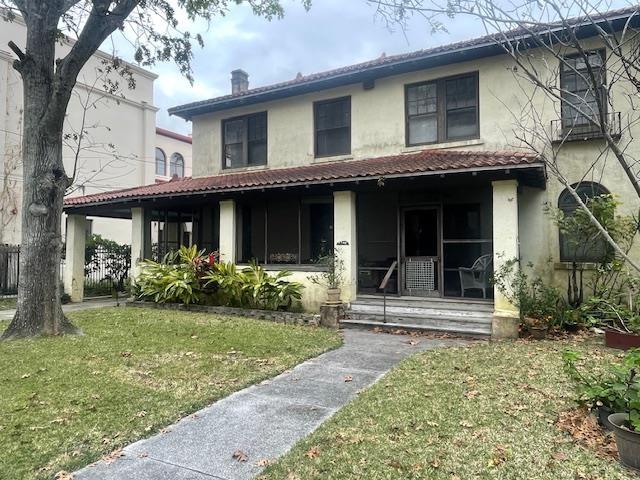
x,y
71,307
264,421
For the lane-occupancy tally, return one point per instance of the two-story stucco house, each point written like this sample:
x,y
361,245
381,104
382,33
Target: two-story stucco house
x,y
407,161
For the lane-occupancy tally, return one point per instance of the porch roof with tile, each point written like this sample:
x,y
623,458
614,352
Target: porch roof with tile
x,y
415,164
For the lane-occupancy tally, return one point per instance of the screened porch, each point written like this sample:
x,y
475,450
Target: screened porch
x,y
441,241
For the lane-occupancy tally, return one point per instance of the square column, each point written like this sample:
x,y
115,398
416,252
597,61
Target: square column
x,y
228,231
140,239
74,259
506,316
346,245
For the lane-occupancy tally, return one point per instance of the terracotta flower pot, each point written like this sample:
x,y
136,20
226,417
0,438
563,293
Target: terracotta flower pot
x,y
628,441
620,340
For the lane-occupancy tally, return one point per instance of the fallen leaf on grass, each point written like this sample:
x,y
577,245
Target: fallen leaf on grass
x,y
313,452
62,475
499,456
125,354
472,394
263,462
584,429
26,375
466,424
239,456
559,456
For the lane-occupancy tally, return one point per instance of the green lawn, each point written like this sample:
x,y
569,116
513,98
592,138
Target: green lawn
x,y
65,402
486,412
7,303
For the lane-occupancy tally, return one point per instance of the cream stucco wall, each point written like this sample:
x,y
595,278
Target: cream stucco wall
x,y
506,101
118,149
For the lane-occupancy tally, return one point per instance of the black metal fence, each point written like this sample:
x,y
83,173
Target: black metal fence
x,y
105,269
9,260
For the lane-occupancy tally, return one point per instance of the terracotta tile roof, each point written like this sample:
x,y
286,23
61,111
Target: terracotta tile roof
x,y
176,136
410,164
349,72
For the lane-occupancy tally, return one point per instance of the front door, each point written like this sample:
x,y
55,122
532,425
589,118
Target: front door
x,y
420,251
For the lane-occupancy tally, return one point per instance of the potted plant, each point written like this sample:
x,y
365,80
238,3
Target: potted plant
x,y
601,392
330,277
621,324
626,424
537,326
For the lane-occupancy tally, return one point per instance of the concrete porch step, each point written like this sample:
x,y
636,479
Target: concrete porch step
x,y
454,328
395,310
473,317
475,305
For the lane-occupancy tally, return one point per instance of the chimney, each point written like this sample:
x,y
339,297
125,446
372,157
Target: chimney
x,y
239,81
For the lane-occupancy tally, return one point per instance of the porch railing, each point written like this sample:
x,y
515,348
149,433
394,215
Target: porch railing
x,y
383,287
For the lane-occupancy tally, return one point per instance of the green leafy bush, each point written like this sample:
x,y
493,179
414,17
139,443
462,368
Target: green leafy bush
x,y
189,276
269,292
615,386
540,305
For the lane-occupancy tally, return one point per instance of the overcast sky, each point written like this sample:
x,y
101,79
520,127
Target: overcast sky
x,y
332,34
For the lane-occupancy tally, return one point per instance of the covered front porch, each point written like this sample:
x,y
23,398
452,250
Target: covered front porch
x,y
421,236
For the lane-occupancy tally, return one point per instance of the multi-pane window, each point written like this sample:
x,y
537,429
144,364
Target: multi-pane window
x,y
332,127
592,247
581,89
422,110
245,141
442,110
177,165
161,162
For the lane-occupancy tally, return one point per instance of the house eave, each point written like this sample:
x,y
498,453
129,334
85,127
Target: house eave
x,y
538,169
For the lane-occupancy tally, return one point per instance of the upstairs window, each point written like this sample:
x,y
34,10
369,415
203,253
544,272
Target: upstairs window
x,y
580,91
177,165
332,127
442,110
161,162
245,141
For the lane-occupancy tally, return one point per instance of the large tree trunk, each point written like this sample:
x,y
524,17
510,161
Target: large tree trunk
x,y
39,309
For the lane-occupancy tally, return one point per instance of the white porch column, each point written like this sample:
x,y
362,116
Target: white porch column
x,y
74,261
228,231
506,316
139,240
346,245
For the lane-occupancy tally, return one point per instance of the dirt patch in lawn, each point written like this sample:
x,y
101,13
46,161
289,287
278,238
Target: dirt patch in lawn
x,y
584,429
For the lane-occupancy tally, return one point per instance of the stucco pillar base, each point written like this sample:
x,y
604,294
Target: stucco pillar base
x,y
505,326
330,315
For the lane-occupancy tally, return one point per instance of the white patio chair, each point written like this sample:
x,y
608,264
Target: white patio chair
x,y
477,277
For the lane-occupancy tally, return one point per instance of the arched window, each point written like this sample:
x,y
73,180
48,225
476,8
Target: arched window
x,y
592,249
161,162
177,165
